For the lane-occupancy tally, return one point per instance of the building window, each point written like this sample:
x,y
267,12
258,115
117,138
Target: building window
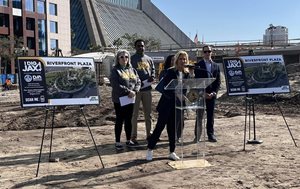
x,y
53,27
30,43
4,21
17,4
30,23
41,6
18,26
53,44
4,3
42,38
53,9
29,6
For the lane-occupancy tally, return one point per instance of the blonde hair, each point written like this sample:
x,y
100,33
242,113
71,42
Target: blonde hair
x,y
122,51
176,57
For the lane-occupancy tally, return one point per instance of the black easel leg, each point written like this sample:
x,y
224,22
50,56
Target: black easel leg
x,y
42,143
249,117
254,126
87,124
51,137
284,120
254,141
245,128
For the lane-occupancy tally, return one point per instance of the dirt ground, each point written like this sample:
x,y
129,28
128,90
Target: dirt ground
x,y
273,164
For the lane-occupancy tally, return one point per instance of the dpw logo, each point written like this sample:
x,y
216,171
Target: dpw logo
x,y
234,64
32,66
28,78
36,78
236,72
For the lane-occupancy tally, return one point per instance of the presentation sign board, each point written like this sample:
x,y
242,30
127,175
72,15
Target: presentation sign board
x,y
55,81
256,75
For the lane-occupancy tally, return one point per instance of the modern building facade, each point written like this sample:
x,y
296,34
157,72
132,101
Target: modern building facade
x,y
40,26
276,36
102,22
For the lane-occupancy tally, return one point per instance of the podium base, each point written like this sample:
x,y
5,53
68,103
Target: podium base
x,y
186,164
254,141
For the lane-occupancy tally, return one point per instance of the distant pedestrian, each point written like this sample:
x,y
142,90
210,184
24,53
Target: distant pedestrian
x,y
7,84
125,82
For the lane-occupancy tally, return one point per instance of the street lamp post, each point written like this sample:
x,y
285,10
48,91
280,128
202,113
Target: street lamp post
x,y
58,52
24,51
271,29
271,37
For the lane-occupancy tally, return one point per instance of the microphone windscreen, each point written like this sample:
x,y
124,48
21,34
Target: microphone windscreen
x,y
189,65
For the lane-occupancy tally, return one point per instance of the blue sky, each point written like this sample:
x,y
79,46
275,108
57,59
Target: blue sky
x,y
231,20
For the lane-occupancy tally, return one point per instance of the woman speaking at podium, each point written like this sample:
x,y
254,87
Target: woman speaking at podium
x,y
166,106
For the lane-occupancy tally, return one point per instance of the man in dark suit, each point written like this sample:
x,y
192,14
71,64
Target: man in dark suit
x,y
206,68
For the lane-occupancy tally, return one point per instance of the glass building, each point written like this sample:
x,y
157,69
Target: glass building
x,y
133,4
30,26
102,22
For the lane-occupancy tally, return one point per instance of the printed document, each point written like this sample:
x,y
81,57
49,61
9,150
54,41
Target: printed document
x,y
124,100
146,84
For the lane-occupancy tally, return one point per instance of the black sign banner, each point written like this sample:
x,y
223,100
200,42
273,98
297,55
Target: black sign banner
x,y
55,81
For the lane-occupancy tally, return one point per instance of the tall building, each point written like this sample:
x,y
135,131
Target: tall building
x,y
102,22
276,35
39,26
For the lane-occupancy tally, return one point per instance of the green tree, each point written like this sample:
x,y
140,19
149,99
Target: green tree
x,y
5,48
118,42
6,55
130,39
150,42
95,48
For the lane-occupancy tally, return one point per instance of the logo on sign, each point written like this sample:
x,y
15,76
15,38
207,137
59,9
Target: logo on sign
x,y
234,64
37,78
28,78
32,66
236,72
42,98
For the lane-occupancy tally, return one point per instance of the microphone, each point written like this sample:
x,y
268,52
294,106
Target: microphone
x,y
192,66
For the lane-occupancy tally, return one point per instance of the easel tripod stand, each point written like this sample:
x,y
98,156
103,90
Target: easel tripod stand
x,y
51,138
249,110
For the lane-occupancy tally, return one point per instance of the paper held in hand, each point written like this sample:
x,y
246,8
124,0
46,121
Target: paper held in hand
x,y
146,83
125,100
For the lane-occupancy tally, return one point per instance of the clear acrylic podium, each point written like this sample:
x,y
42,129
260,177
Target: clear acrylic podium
x,y
190,95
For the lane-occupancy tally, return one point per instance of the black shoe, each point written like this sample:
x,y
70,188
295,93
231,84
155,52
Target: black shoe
x,y
132,143
212,138
196,141
119,146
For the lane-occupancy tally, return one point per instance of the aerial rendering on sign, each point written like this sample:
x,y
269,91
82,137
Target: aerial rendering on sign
x,y
53,81
256,75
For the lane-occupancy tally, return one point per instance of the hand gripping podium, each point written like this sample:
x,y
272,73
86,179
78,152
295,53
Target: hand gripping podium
x,y
189,95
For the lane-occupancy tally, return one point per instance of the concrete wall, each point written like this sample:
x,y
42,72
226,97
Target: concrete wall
x,y
166,24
